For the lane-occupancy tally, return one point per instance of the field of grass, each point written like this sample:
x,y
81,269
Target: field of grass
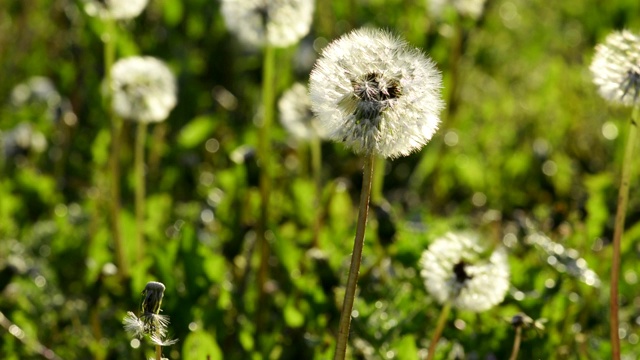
x,y
527,155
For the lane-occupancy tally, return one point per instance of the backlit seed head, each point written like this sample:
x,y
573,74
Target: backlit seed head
x,y
616,68
376,94
457,268
115,9
278,23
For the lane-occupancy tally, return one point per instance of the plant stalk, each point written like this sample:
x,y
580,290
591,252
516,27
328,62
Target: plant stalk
x,y
444,314
158,352
356,258
141,135
316,169
516,344
623,197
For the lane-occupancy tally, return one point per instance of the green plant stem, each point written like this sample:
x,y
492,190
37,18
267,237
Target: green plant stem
x,y
378,180
623,197
141,135
516,344
316,169
158,352
444,314
356,258
264,161
109,40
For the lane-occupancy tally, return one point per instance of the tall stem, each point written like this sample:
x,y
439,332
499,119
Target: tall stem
x,y
109,40
444,314
316,169
623,197
516,344
141,135
378,180
158,352
264,151
356,258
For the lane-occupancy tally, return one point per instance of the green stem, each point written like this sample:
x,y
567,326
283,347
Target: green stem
x,y
516,344
444,314
141,135
114,160
316,165
356,258
623,197
264,161
158,352
378,180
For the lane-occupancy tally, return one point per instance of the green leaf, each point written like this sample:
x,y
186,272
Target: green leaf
x,y
200,345
196,131
406,348
173,12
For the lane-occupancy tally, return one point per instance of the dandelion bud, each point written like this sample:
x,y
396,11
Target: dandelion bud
x,y
376,94
616,68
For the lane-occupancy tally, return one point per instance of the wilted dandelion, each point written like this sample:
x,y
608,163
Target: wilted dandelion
x,y
150,324
277,23
616,68
616,72
376,94
380,97
144,89
457,268
296,115
115,9
470,8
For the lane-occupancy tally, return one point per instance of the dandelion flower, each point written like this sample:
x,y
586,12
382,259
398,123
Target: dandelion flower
x,y
376,94
470,8
150,323
144,89
278,23
456,269
616,68
296,115
115,9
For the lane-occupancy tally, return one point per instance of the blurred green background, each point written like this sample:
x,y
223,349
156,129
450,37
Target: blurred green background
x,y
526,147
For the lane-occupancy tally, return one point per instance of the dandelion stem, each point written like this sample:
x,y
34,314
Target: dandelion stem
x,y
444,314
264,151
378,180
316,166
356,258
516,344
158,352
109,40
623,197
141,135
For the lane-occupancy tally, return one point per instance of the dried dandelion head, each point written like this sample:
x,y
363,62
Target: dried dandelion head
x,y
277,23
115,9
376,94
144,89
470,8
296,116
457,269
150,323
616,68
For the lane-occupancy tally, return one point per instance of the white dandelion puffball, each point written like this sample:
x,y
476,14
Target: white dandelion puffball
x,y
115,9
296,116
455,269
616,68
470,8
278,23
144,89
376,94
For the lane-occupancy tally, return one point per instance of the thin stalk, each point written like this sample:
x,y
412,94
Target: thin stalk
x,y
109,40
158,352
516,344
444,314
623,197
264,161
378,180
316,169
141,135
356,258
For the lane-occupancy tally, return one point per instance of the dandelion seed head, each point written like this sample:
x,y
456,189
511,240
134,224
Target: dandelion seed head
x,y
133,325
144,89
296,116
278,23
115,9
456,269
153,294
376,94
470,8
616,68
